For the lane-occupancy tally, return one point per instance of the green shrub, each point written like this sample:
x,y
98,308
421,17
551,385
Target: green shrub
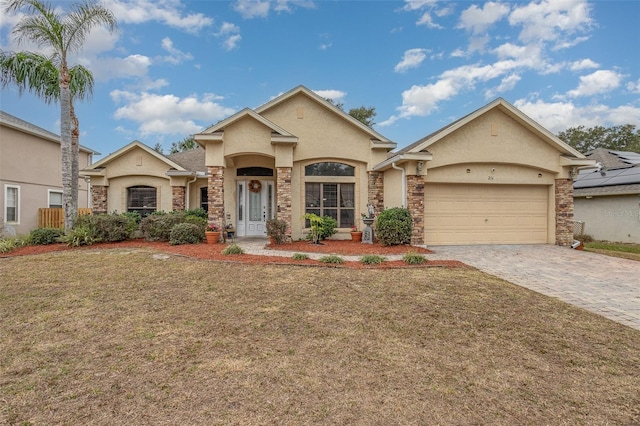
x,y
372,259
394,226
44,236
196,220
321,227
199,212
233,249
185,233
585,238
135,216
109,227
300,256
332,258
328,227
157,226
11,243
277,229
79,236
414,258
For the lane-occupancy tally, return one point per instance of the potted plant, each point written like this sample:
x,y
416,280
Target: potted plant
x,y
212,233
355,234
276,231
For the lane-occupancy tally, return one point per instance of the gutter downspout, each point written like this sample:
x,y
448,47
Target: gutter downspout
x,y
404,183
186,193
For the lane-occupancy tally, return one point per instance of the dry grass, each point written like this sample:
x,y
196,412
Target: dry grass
x,y
118,337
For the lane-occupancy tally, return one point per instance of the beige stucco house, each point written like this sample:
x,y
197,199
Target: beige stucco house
x,y
31,173
494,176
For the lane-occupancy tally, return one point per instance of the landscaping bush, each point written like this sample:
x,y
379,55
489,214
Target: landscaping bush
x,y
110,227
277,229
584,238
10,243
135,216
233,249
300,256
414,259
372,259
199,212
394,226
328,227
332,258
79,236
186,233
44,236
157,226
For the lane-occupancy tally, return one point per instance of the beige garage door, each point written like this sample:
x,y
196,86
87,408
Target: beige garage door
x,y
485,214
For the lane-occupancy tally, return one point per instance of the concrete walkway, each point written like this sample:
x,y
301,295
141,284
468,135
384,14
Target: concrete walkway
x,y
608,286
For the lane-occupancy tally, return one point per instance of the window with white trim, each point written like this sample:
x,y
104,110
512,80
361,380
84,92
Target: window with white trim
x,y
55,199
330,191
11,204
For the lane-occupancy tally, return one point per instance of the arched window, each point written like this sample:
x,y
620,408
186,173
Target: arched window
x,y
334,197
142,199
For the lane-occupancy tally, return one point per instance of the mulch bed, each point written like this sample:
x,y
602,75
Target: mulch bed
x,y
214,252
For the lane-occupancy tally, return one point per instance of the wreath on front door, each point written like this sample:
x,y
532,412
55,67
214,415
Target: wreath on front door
x,y
255,186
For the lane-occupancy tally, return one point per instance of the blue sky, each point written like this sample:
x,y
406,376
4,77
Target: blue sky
x,y
175,67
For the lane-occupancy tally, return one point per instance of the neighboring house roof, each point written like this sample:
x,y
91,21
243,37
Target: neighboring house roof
x,y
619,174
610,159
24,126
99,165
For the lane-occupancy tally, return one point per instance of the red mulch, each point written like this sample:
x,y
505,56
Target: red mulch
x,y
214,252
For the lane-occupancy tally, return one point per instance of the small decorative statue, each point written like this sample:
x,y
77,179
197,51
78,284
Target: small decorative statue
x,y
367,232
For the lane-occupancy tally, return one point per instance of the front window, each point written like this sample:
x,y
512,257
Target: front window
x,y
55,199
204,198
12,204
330,191
141,199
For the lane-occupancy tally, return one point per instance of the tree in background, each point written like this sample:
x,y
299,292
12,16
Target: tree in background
x,y
186,144
362,114
158,148
64,35
617,138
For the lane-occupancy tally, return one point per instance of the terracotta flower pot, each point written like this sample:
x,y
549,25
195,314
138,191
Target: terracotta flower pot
x,y
356,235
212,237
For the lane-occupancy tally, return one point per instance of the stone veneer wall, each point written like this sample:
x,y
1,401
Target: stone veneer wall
x,y
564,212
415,204
376,191
178,197
283,198
99,195
215,195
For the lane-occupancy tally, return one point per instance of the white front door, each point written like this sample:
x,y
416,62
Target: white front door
x,y
254,207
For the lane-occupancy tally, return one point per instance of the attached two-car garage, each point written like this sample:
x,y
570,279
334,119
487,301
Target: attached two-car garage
x,y
486,214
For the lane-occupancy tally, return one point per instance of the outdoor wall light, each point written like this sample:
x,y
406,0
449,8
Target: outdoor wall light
x,y
419,168
468,170
540,175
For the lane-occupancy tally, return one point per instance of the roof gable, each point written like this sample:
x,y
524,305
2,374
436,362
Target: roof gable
x,y
215,132
504,106
128,148
285,97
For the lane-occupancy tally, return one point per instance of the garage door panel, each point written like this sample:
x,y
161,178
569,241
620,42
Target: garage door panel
x,y
485,214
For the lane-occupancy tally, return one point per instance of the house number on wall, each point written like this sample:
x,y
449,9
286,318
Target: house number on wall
x,y
490,177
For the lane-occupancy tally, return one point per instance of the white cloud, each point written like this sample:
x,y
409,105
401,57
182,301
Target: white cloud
x,y
230,35
551,20
412,58
478,20
105,69
250,9
168,114
634,87
583,65
598,82
559,116
427,21
507,83
426,8
176,55
333,94
168,12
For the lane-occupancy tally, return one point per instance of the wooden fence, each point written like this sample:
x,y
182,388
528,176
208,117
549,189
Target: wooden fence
x,y
54,218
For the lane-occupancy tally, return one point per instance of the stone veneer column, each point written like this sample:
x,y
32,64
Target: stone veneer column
x,y
178,197
283,197
564,212
376,191
215,195
99,196
415,204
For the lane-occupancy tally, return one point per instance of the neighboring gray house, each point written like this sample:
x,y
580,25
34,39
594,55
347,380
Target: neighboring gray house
x,y
607,200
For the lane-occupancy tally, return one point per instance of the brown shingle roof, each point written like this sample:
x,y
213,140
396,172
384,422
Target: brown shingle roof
x,y
192,160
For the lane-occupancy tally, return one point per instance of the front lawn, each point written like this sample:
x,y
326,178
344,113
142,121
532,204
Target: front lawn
x,y
133,336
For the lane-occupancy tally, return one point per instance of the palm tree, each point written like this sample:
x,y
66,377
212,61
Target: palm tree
x,y
64,35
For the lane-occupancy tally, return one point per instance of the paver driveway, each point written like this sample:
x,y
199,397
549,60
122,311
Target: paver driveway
x,y
602,284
